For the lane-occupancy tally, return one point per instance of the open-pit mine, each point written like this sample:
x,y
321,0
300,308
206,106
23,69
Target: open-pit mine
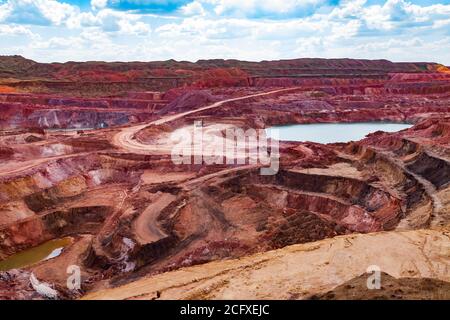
x,y
93,206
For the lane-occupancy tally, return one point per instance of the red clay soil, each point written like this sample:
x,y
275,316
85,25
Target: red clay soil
x,y
85,151
391,289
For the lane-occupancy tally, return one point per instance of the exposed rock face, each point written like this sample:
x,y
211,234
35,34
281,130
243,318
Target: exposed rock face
x,y
15,285
111,184
100,79
51,112
300,271
188,101
6,152
392,289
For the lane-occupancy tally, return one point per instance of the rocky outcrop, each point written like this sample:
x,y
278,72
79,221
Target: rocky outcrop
x,y
101,78
287,273
57,224
436,170
188,101
392,289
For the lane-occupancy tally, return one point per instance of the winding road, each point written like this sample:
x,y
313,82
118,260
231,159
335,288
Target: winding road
x,y
15,167
125,139
146,226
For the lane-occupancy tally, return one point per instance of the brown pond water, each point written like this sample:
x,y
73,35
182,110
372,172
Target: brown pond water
x,y
45,251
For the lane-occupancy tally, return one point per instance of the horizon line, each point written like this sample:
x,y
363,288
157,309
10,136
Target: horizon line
x,y
220,59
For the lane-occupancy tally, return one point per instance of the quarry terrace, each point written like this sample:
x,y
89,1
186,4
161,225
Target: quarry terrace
x,y
87,179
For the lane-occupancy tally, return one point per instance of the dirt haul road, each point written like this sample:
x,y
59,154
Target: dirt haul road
x,y
125,138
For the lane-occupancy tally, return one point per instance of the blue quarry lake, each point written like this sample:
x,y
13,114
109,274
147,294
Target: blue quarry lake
x,y
333,132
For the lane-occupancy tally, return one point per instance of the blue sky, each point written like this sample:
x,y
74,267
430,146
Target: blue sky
x,y
111,30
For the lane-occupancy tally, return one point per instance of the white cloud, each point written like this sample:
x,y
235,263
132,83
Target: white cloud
x,y
15,30
222,29
137,28
441,23
52,12
199,27
99,3
193,8
264,7
57,43
110,21
36,12
397,13
418,49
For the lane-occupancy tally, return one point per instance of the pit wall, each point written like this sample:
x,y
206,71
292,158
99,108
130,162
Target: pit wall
x,y
44,190
352,194
57,224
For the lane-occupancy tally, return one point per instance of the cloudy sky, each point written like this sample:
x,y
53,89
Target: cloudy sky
x,y
128,30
